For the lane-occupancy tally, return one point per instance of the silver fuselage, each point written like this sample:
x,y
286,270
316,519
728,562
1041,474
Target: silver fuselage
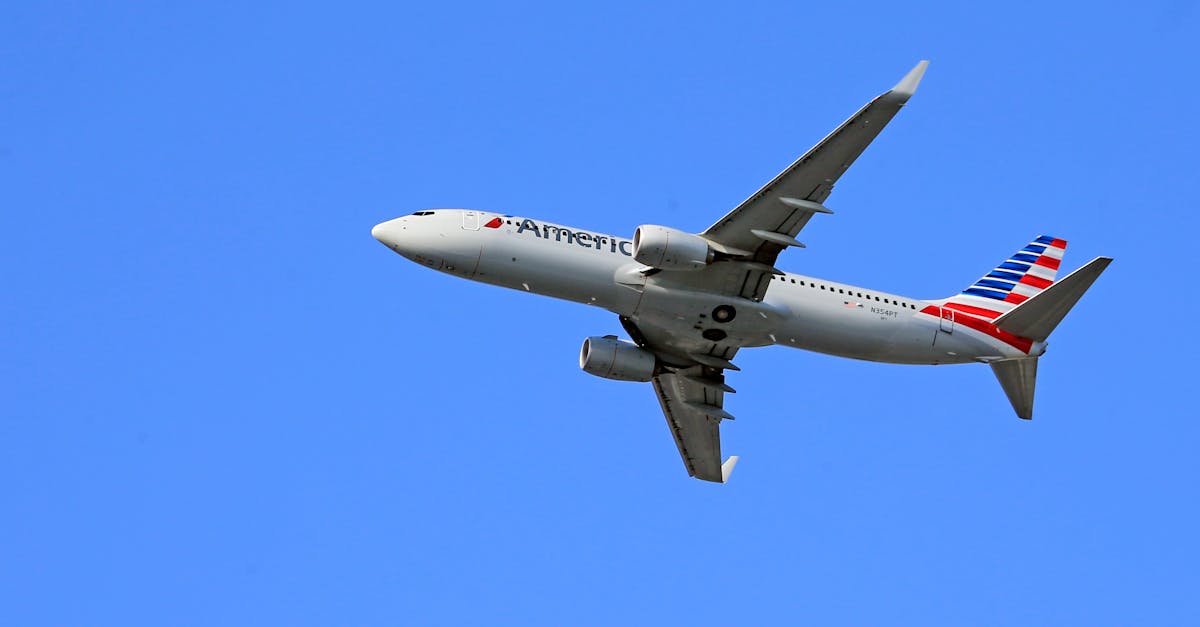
x,y
597,269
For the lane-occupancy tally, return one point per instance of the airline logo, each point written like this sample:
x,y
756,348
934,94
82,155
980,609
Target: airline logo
x,y
583,239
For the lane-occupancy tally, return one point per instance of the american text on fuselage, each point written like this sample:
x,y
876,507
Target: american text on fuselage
x,y
603,270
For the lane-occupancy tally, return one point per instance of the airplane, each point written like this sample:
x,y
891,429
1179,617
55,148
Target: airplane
x,y
690,301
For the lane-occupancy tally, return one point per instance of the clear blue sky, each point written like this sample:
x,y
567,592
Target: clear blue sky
x,y
224,403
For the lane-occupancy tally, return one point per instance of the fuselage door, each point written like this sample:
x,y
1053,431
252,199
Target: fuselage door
x,y
946,324
471,220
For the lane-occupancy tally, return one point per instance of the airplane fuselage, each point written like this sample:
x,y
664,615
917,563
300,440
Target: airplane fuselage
x,y
597,269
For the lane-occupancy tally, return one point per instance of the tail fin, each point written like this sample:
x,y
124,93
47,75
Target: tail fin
x,y
1020,277
1037,317
1018,378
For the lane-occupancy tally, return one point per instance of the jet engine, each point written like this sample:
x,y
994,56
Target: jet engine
x,y
611,358
670,249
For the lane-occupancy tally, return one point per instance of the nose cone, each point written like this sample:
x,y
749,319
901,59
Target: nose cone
x,y
389,233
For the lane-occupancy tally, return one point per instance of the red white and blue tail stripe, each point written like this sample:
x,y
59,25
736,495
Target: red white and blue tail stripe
x,y
1023,275
1020,277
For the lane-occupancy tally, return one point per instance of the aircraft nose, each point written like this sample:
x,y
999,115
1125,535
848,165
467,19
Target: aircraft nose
x,y
389,233
378,230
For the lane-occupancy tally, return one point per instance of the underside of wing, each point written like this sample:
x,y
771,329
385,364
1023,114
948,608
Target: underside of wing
x,y
692,401
783,206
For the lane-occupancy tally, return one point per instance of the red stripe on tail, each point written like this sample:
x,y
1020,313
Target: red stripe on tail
x,y
974,311
1048,262
1037,282
983,326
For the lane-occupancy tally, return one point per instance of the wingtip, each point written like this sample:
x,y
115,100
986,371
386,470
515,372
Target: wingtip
x,y
908,85
727,467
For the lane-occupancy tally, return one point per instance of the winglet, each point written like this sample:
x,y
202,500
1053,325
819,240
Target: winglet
x,y
727,468
908,85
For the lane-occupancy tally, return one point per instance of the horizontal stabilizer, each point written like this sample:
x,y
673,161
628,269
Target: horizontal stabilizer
x,y
1037,317
727,468
1018,378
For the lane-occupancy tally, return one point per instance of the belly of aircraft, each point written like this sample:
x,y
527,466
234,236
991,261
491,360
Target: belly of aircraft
x,y
698,322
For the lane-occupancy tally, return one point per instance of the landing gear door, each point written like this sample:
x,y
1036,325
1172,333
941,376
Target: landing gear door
x,y
471,220
946,324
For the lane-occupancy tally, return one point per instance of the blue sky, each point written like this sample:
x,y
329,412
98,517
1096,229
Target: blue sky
x,y
224,403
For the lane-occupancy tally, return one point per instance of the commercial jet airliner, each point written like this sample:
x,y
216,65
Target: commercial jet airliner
x,y
690,302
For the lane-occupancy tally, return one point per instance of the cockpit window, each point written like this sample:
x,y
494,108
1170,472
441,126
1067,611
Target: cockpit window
x,y
423,213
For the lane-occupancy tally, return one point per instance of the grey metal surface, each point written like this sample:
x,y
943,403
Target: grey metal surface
x,y
1018,377
1037,317
810,178
696,431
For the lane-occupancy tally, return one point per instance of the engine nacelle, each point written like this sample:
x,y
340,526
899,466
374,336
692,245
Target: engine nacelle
x,y
611,358
670,249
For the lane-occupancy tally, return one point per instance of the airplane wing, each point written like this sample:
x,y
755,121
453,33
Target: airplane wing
x,y
750,239
766,222
692,404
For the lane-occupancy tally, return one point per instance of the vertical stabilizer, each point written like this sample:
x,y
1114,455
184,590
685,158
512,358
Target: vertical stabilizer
x,y
1017,279
1018,378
